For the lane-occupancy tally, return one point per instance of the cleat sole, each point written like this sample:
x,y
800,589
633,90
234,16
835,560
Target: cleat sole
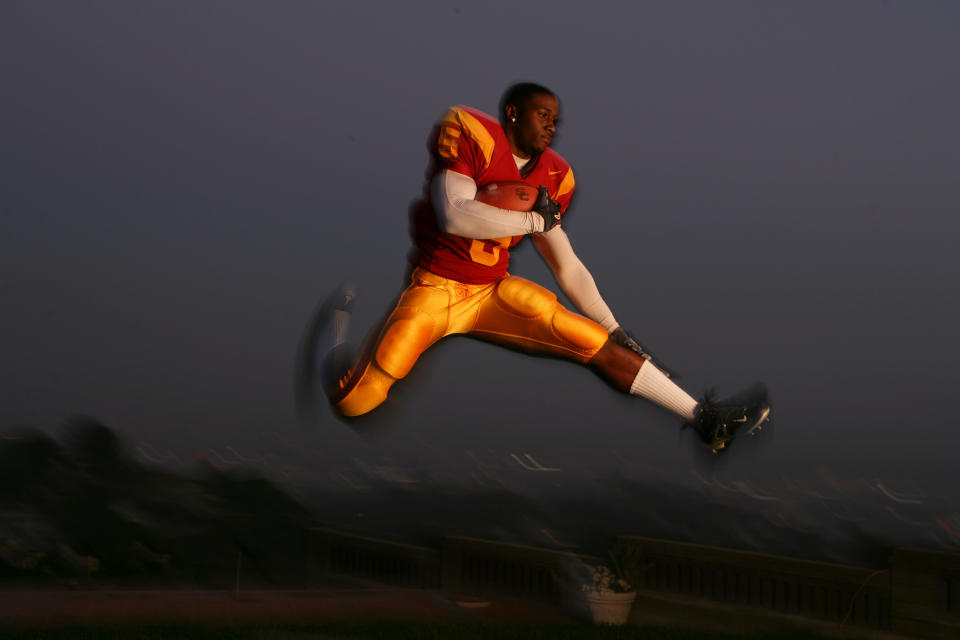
x,y
758,425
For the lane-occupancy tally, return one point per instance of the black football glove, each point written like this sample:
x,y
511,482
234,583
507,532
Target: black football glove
x,y
622,338
548,209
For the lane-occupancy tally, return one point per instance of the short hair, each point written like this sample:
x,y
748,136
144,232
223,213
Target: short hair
x,y
519,93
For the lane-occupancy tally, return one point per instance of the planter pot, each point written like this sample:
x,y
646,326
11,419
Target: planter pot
x,y
611,608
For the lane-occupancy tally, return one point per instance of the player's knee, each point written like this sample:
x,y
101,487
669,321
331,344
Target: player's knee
x,y
369,392
408,333
583,333
525,299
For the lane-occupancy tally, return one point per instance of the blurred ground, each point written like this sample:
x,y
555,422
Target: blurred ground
x,y
653,616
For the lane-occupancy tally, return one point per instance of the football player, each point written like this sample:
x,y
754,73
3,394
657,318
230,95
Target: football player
x,y
459,282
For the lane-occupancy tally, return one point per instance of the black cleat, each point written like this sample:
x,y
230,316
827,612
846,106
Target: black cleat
x,y
718,423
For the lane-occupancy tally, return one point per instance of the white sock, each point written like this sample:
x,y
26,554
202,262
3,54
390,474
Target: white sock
x,y
655,386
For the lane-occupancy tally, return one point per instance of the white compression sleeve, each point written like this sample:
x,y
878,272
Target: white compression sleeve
x,y
574,277
458,213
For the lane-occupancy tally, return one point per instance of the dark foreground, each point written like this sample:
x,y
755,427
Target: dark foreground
x,y
373,612
384,630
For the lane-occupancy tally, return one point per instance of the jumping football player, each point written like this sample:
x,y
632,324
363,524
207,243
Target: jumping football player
x,y
460,285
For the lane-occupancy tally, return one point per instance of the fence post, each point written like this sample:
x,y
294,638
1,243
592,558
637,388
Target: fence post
x,y
925,589
451,573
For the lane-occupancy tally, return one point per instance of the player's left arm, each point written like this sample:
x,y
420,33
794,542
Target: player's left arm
x,y
574,278
578,284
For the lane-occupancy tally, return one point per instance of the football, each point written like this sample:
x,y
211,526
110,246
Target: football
x,y
516,196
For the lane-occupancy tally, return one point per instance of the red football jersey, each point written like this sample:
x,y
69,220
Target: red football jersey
x,y
474,144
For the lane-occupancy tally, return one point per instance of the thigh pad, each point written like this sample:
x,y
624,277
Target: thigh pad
x,y
408,333
545,321
525,299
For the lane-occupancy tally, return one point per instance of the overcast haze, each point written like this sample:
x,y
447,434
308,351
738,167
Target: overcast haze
x,y
765,191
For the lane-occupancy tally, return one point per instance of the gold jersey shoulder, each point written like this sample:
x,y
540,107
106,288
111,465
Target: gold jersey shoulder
x,y
458,126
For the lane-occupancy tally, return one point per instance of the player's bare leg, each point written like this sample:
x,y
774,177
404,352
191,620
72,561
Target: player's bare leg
x,y
716,423
630,372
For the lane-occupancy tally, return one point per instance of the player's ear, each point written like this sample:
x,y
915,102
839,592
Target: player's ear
x,y
511,112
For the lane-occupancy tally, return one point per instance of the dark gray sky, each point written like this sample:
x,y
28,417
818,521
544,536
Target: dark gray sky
x,y
766,191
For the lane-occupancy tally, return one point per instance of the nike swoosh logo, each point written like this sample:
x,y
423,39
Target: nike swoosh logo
x,y
553,173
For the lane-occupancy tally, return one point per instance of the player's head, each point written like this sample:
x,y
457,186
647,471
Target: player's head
x,y
529,113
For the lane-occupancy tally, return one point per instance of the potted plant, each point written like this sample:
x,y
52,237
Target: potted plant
x,y
610,588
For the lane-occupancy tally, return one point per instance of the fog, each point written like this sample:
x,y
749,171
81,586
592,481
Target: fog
x,y
765,191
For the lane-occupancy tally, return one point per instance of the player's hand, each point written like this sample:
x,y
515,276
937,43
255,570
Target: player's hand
x,y
622,338
548,209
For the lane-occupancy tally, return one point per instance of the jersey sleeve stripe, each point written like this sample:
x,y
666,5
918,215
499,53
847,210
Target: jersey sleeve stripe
x,y
566,185
474,129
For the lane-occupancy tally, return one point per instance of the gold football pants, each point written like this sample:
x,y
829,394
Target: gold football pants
x,y
513,312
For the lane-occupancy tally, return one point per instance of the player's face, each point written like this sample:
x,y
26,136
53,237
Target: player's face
x,y
536,124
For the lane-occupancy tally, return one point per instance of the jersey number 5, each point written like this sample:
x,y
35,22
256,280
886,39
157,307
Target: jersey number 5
x,y
487,252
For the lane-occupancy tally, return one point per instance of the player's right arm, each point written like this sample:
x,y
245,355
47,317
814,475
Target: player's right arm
x,y
458,213
464,148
